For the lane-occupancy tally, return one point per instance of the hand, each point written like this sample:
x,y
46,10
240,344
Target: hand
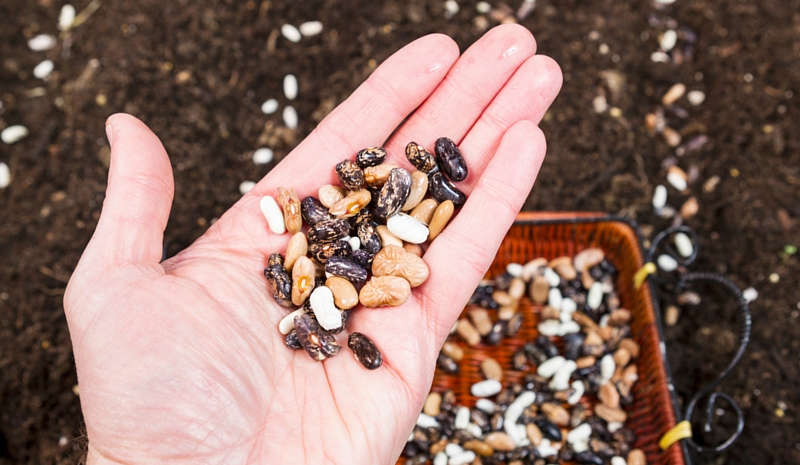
x,y
181,361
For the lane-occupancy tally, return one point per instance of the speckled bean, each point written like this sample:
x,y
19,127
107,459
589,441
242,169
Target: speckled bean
x,y
350,175
450,160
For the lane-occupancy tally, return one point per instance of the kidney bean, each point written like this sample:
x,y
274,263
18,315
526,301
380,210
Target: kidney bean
x,y
447,364
441,189
275,259
350,175
280,284
318,343
363,257
365,350
313,211
328,230
292,341
347,268
450,160
393,193
323,251
367,234
370,156
420,158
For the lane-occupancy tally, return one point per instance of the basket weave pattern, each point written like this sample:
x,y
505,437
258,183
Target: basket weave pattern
x,y
651,414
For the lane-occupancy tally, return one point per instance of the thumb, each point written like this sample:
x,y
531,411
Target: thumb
x,y
138,197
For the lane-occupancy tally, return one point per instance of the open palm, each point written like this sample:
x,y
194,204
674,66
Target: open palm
x,y
180,361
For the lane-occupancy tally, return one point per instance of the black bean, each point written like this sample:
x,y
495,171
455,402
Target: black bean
x,y
503,281
370,240
573,343
348,269
450,160
322,251
328,230
441,189
420,158
534,354
313,211
280,284
371,156
350,175
318,343
447,364
275,259
588,458
363,257
291,340
365,350
497,332
549,430
393,194
547,346
483,297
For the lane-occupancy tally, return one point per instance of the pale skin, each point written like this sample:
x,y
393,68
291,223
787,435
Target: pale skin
x,y
180,361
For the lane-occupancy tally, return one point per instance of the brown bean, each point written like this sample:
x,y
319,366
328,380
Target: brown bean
x,y
290,204
540,289
516,289
432,404
491,369
387,238
619,317
453,351
629,375
419,187
563,266
415,249
376,176
534,434
465,329
636,457
345,295
395,261
622,357
384,291
502,298
631,346
608,395
303,273
556,414
296,248
424,211
329,195
585,362
610,414
479,447
500,441
438,446
441,216
480,319
506,312
351,204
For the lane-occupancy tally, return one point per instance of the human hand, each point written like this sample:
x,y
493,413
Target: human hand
x,y
180,361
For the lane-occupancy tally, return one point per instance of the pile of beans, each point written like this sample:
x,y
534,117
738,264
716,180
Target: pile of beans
x,y
575,377
363,243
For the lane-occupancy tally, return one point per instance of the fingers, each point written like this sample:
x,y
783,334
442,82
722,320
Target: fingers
x,y
138,197
367,118
473,82
526,96
462,253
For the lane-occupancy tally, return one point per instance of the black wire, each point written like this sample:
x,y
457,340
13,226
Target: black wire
x,y
684,280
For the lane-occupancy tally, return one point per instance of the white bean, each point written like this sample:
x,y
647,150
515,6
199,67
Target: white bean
x,y
607,367
617,460
578,390
549,367
286,325
269,106
486,405
683,244
595,296
273,214
290,86
452,449
5,175
246,186
407,228
550,328
427,421
13,133
66,17
440,459
43,69
42,42
328,316
462,418
560,379
667,263
290,33
485,388
514,269
546,448
262,156
462,458
659,197
552,277
580,433
310,28
554,298
290,118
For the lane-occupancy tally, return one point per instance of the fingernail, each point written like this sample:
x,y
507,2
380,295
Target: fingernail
x,y
110,134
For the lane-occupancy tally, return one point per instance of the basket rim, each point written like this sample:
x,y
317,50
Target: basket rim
x,y
548,218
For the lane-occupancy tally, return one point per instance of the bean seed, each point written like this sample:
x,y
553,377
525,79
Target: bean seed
x,y
328,196
376,176
351,204
387,238
534,434
462,459
610,413
303,274
419,187
622,357
280,284
291,340
548,429
297,247
286,324
485,388
395,261
450,160
420,158
617,460
350,175
441,216
497,332
367,234
363,257
290,204
414,249
365,350
345,295
563,266
556,414
371,156
441,189
407,228
424,211
491,369
347,268
272,213
453,351
560,379
384,291
506,312
313,211
636,457
588,258
323,251
479,447
551,366
327,315
328,230
465,329
275,259
393,194
500,441
539,289
318,343
480,318
446,364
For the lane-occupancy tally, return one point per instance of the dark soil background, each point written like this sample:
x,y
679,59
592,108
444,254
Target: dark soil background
x,y
198,71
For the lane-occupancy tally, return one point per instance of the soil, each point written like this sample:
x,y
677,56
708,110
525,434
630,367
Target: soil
x,y
197,73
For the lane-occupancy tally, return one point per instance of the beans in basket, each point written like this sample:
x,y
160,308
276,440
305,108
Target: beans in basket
x,y
562,397
359,242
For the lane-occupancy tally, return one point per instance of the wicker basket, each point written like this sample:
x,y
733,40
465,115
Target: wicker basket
x,y
555,234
